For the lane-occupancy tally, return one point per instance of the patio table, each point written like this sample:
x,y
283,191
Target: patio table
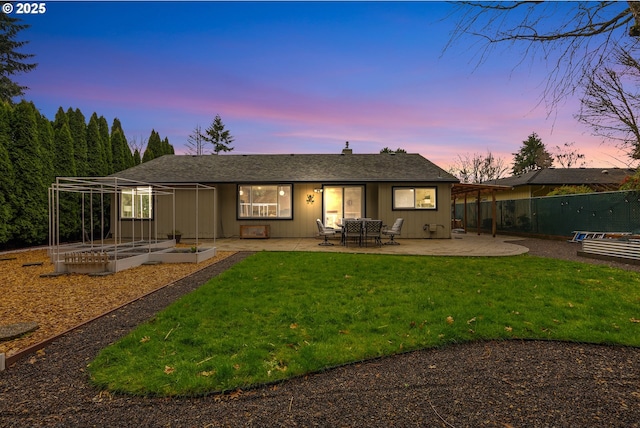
x,y
361,241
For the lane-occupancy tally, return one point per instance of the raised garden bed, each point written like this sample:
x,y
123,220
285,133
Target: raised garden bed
x,y
183,255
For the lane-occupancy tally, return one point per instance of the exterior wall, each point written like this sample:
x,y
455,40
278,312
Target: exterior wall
x,y
520,192
223,221
186,220
524,192
304,214
415,220
378,204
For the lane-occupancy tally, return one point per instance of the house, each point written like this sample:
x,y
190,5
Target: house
x,y
542,181
282,195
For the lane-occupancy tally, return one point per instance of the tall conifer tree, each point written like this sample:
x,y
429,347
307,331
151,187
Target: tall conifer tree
x,y
7,182
45,134
157,147
78,129
96,165
168,148
122,156
118,145
154,147
11,60
106,144
60,119
64,158
30,219
70,207
136,157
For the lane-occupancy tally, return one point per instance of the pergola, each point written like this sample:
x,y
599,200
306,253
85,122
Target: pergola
x,y
460,189
93,191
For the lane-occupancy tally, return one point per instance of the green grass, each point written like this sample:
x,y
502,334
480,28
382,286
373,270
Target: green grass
x,y
279,315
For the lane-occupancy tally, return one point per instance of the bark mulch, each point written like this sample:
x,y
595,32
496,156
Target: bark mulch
x,y
485,384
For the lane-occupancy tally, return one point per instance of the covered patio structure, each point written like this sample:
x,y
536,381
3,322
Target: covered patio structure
x,y
464,189
110,251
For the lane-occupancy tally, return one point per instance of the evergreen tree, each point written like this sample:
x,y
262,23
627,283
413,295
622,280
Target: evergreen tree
x,y
45,133
119,147
136,157
122,147
30,221
388,150
7,181
96,165
532,155
148,155
103,125
64,159
157,147
154,147
219,137
60,119
12,62
69,217
78,129
168,148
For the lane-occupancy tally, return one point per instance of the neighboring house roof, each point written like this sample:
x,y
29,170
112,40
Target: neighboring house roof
x,y
384,167
606,177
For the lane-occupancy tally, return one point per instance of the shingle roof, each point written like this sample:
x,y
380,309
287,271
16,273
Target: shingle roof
x,y
384,167
567,176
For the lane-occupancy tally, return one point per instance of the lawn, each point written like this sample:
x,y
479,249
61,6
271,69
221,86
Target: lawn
x,y
278,315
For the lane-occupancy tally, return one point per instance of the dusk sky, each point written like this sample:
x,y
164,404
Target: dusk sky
x,y
295,77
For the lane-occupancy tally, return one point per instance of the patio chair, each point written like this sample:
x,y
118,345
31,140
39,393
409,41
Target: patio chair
x,y
326,232
393,232
372,230
352,231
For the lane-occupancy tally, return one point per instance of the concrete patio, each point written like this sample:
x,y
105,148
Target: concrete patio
x,y
459,245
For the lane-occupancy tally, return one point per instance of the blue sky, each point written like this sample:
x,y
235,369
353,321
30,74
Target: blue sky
x,y
295,77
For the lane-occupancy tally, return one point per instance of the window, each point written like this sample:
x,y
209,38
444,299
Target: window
x,y
264,201
418,198
342,202
136,203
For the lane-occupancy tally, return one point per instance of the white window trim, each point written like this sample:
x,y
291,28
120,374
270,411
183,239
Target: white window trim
x,y
137,194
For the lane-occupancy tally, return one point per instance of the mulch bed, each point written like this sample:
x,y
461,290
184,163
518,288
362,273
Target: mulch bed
x,y
492,384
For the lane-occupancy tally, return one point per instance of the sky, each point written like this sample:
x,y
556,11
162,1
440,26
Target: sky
x,y
296,77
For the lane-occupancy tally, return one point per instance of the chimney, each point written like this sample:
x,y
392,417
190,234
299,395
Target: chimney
x,y
347,150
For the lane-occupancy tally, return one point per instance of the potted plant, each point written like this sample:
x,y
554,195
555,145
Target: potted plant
x,y
175,234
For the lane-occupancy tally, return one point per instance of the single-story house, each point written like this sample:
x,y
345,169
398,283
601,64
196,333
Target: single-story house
x,y
282,195
542,181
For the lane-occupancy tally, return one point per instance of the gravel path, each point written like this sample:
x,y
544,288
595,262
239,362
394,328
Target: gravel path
x,y
493,384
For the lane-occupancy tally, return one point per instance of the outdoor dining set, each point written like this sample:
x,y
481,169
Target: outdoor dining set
x,y
361,231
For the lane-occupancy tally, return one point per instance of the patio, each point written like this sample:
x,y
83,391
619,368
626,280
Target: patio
x,y
459,245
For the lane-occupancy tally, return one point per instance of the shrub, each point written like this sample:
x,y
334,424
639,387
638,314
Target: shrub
x,y
570,190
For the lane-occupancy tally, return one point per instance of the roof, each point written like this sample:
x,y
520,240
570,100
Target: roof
x,y
463,188
383,167
568,177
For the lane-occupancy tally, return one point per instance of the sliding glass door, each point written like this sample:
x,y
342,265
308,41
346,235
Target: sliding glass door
x,y
342,202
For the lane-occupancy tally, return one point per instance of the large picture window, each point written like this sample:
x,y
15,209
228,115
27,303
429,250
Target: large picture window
x,y
414,198
264,201
136,203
